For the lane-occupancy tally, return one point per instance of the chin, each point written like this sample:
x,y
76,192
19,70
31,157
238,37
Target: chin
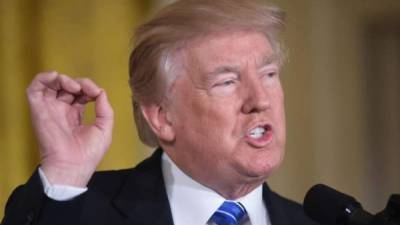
x,y
261,168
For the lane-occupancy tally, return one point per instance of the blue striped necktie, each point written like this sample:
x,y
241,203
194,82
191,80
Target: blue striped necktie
x,y
229,213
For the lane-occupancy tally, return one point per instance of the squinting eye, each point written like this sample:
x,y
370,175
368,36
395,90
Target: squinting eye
x,y
225,87
271,74
226,83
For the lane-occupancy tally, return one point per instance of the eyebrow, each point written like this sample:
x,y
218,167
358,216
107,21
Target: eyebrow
x,y
221,70
267,60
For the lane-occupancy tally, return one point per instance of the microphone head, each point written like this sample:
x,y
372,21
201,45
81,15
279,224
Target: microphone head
x,y
328,206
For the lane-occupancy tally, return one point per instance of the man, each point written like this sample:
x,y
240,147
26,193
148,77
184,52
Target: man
x,y
206,92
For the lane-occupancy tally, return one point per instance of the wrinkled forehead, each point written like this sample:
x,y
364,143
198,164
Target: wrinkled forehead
x,y
236,49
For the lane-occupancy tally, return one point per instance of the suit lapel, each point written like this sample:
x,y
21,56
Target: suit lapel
x,y
143,198
275,209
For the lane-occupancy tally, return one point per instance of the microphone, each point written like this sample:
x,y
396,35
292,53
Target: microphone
x,y
331,207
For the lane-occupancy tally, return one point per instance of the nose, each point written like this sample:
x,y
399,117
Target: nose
x,y
256,98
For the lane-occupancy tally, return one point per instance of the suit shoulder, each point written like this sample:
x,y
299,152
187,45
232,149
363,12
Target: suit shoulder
x,y
293,209
286,203
109,182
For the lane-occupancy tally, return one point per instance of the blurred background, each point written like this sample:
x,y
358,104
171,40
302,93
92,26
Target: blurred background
x,y
342,85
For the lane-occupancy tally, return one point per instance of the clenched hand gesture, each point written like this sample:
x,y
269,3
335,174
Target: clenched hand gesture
x,y
70,151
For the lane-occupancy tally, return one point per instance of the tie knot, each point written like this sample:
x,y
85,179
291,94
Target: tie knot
x,y
229,213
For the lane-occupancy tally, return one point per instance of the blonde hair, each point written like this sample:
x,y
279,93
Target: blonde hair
x,y
151,63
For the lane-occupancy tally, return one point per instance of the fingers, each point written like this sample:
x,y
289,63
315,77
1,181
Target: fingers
x,y
66,97
69,89
63,88
53,85
43,83
69,85
89,91
104,113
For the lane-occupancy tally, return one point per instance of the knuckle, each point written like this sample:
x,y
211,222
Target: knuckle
x,y
65,77
62,77
46,74
83,80
39,76
90,83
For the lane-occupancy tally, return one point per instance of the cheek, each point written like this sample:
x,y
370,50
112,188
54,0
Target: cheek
x,y
197,121
220,114
279,106
271,162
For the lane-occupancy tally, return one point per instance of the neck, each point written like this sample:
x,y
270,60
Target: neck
x,y
230,185
231,190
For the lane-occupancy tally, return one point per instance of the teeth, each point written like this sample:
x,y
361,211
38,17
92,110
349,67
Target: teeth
x,y
257,132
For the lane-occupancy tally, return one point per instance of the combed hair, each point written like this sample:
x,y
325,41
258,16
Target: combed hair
x,y
151,63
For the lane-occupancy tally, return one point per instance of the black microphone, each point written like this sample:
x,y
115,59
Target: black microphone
x,y
328,206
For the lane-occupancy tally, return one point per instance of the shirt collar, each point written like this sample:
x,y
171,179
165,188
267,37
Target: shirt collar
x,y
255,207
194,203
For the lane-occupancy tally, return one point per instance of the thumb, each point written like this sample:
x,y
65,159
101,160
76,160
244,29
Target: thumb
x,y
104,113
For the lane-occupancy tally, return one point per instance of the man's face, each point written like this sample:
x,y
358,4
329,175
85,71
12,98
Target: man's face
x,y
227,110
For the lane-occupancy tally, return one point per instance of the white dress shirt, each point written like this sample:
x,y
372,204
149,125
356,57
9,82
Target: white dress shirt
x,y
59,192
191,202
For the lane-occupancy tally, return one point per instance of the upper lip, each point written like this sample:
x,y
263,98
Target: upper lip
x,y
265,125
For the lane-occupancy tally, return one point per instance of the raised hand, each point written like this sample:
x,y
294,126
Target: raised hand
x,y
70,151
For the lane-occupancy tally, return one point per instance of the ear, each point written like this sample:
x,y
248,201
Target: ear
x,y
158,121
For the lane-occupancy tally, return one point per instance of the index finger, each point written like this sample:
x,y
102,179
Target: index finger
x,y
69,85
89,88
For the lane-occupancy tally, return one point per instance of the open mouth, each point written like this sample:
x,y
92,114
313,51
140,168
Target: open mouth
x,y
259,131
260,135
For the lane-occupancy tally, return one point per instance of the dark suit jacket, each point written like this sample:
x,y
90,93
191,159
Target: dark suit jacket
x,y
126,197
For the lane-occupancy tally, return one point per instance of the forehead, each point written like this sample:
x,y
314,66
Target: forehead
x,y
228,49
